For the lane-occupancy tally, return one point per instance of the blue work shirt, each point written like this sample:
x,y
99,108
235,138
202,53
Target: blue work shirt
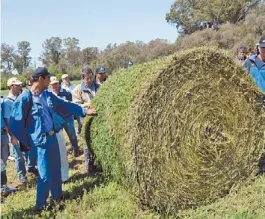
x,y
256,68
27,117
41,100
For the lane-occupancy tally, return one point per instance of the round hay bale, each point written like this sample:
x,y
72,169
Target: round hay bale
x,y
181,131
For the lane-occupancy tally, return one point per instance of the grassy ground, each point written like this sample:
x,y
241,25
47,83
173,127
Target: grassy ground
x,y
95,197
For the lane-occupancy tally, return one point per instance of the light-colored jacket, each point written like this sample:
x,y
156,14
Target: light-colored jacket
x,y
83,96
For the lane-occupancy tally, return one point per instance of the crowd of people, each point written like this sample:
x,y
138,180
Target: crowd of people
x,y
33,122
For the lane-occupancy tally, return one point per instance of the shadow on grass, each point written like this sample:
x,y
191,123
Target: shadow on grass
x,y
74,163
77,191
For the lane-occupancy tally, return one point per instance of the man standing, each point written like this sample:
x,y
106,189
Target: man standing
x,y
36,116
256,65
5,190
100,75
83,95
66,84
14,86
69,125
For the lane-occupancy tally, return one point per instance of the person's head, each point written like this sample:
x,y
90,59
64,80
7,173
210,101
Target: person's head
x,y
128,64
14,85
262,47
65,79
55,84
87,76
241,52
100,73
41,76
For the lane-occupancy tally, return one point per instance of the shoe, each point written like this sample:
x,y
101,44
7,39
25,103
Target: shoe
x,y
5,190
33,171
22,179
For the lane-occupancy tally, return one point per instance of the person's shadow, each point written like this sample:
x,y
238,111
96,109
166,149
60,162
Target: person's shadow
x,y
77,192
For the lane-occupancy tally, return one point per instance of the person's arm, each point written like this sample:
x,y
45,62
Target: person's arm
x,y
17,121
65,107
7,107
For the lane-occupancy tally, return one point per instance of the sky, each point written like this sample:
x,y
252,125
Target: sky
x,y
95,23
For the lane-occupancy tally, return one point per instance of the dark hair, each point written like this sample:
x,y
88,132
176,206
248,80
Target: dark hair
x,y
242,48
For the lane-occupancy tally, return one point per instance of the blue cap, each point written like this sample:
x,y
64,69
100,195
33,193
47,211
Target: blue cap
x,y
41,71
100,70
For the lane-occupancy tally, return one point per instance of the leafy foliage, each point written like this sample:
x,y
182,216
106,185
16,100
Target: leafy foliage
x,y
189,15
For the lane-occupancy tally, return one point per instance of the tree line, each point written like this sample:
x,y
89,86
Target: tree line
x,y
66,56
240,22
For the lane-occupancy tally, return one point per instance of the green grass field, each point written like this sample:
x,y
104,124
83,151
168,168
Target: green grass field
x,y
95,197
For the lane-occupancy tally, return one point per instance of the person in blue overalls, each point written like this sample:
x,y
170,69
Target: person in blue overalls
x,y
36,116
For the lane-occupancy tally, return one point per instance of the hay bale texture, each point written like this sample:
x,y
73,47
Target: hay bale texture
x,y
179,131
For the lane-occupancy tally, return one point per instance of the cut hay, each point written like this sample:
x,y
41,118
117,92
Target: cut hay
x,y
180,131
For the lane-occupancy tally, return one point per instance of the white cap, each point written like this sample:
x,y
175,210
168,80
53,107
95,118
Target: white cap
x,y
64,76
13,81
53,80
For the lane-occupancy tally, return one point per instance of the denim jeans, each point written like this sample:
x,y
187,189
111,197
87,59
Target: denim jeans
x,y
19,161
70,130
79,121
4,146
30,160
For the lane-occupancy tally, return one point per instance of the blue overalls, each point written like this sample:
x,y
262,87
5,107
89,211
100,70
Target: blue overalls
x,y
30,125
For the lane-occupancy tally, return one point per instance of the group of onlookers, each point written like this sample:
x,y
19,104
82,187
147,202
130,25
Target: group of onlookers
x,y
33,122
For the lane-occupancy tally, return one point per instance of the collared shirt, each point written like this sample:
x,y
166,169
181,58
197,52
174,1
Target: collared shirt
x,y
41,99
92,91
69,88
8,104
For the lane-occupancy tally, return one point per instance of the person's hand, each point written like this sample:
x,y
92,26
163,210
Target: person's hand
x,y
13,140
91,112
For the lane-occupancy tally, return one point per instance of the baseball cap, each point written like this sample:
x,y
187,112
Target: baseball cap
x,y
100,70
64,76
53,80
262,42
13,81
41,71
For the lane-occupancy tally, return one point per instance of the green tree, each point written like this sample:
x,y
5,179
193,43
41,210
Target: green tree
x,y
72,52
7,57
89,54
189,15
23,51
52,51
21,58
